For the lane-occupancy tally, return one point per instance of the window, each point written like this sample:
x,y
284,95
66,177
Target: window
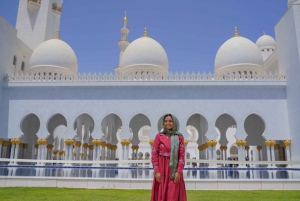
x,y
23,66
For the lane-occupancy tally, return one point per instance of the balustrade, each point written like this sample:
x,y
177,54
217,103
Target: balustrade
x,y
147,77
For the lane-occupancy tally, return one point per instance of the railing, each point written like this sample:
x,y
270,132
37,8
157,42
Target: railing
x,y
104,162
148,77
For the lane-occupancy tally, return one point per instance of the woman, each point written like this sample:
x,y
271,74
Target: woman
x,y
168,162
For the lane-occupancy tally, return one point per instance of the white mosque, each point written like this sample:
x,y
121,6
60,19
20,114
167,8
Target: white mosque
x,y
249,106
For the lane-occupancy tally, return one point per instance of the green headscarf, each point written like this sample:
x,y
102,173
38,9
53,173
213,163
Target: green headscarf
x,y
174,145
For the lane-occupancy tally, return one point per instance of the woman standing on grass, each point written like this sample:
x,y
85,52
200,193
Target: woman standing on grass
x,y
168,162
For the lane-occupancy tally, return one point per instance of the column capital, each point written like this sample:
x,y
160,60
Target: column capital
x,y
17,141
247,148
99,142
151,142
25,146
44,141
272,143
78,143
91,147
241,143
268,143
287,143
1,141
127,142
69,142
185,143
5,143
94,142
258,148
12,141
208,143
108,146
85,145
103,144
123,142
276,146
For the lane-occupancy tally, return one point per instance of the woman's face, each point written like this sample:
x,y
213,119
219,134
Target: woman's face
x,y
168,122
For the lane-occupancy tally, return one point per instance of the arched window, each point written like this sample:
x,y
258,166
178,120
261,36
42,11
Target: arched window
x,y
15,60
23,66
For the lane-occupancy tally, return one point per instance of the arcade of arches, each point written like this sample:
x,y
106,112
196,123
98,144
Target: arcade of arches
x,y
138,147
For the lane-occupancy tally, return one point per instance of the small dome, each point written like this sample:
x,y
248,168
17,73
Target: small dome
x,y
238,54
144,54
266,42
291,2
53,56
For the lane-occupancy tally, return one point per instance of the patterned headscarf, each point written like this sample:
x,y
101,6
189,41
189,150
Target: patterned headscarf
x,y
174,144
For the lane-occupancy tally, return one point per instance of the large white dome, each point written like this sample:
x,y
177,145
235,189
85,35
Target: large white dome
x,y
53,56
144,54
291,2
238,54
266,42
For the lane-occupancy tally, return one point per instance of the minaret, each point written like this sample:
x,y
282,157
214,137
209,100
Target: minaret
x,y
38,20
123,43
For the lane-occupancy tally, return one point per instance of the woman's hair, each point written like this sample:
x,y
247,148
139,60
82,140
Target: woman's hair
x,y
167,115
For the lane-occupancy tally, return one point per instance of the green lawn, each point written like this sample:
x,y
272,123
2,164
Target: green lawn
x,y
57,194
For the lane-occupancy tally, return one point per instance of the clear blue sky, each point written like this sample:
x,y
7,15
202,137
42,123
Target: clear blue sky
x,y
191,31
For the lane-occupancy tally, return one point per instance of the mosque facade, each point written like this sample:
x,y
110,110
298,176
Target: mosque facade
x,y
249,106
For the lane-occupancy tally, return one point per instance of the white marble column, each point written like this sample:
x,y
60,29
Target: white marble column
x,y
103,145
272,150
17,142
127,150
91,150
123,150
287,144
99,153
77,150
268,144
85,151
12,150
108,151
67,148
95,153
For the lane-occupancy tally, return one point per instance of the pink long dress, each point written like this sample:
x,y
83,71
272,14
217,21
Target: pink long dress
x,y
167,190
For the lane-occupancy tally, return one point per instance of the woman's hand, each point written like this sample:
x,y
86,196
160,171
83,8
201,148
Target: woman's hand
x,y
157,177
177,177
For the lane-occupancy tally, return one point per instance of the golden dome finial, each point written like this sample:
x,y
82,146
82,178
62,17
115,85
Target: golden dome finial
x,y
57,34
145,32
236,33
125,18
264,33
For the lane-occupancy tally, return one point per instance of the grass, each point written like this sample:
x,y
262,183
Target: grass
x,y
57,194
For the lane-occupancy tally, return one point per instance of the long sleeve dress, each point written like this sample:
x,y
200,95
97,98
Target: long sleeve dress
x,y
167,190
